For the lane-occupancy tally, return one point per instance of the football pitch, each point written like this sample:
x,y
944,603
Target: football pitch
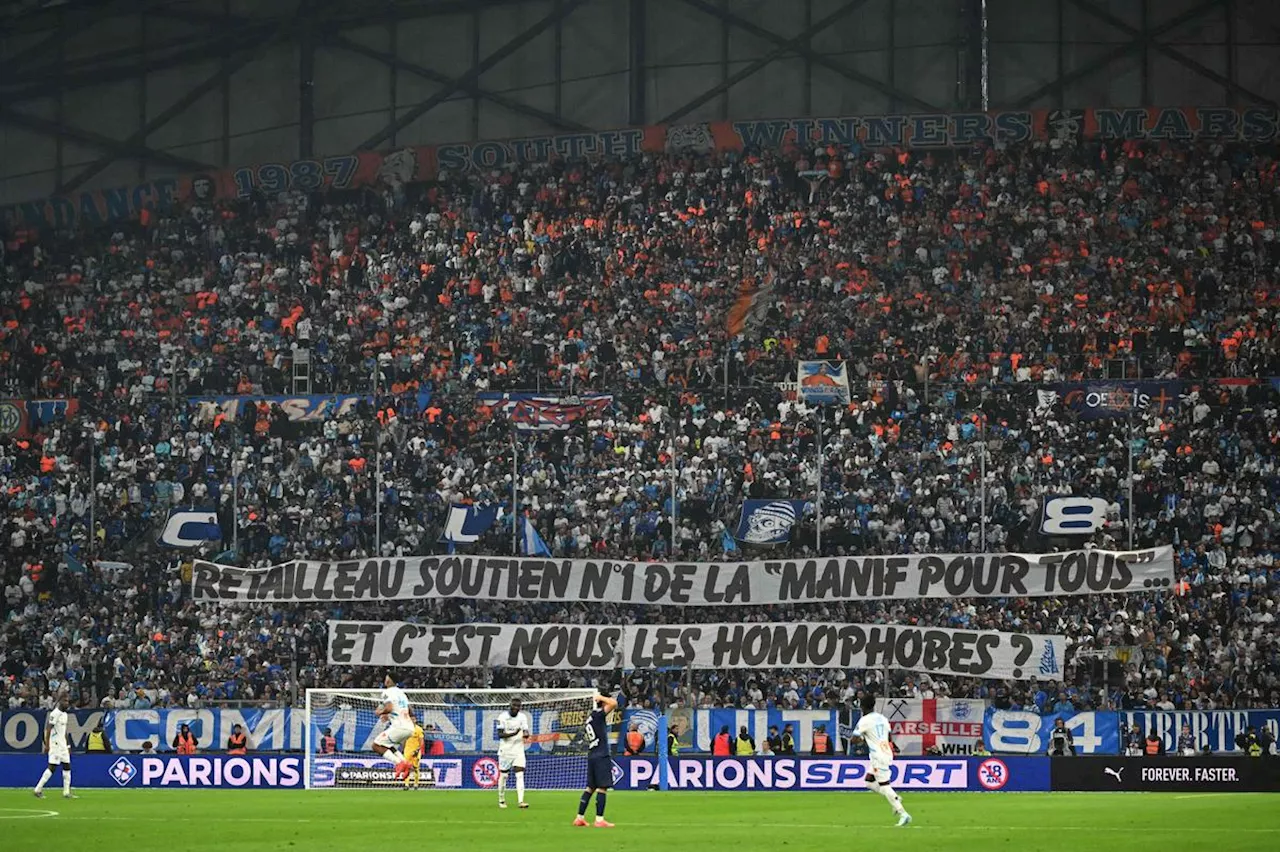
x,y
145,820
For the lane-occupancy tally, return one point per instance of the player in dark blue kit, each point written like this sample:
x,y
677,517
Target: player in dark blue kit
x,y
599,764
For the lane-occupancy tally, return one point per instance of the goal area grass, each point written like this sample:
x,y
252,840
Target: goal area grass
x,y
335,821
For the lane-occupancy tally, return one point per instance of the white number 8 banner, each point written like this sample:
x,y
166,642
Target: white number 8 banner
x,y
1022,732
1073,515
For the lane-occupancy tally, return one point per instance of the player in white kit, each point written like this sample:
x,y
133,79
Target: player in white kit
x,y
513,730
55,745
393,706
873,727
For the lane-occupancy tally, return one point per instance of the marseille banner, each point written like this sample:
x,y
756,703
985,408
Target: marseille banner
x,y
303,407
1077,572
1023,732
268,730
951,726
395,168
975,653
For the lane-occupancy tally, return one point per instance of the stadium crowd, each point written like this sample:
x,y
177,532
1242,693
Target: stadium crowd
x,y
957,284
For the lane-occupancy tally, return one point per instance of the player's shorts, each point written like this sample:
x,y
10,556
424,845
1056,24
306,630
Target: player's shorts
x,y
599,773
59,756
879,772
512,760
395,733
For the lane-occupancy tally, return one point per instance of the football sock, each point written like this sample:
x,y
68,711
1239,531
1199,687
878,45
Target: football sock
x,y
48,773
394,756
520,786
600,804
583,802
893,798
502,786
66,781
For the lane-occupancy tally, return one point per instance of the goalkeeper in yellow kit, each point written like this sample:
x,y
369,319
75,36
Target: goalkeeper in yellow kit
x,y
412,758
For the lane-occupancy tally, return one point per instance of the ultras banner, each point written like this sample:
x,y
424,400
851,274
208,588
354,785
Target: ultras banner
x,y
974,653
1078,572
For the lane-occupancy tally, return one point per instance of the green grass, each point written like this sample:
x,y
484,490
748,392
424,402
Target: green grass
x,y
456,821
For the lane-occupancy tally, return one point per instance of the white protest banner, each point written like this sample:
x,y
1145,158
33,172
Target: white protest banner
x,y
974,653
990,575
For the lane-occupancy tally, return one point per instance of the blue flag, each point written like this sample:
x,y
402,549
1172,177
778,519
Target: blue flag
x,y
467,523
768,521
727,543
531,544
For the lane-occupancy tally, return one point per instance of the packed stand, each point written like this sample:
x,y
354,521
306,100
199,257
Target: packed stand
x,y
955,283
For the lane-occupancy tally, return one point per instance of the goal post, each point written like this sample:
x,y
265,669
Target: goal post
x,y
460,727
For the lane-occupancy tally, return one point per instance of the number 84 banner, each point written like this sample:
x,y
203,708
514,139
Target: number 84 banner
x,y
1024,732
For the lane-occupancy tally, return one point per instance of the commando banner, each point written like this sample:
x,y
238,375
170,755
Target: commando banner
x,y
1077,572
974,653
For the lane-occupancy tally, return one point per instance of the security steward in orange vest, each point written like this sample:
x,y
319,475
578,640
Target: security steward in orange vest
x,y
1153,746
185,742
822,742
237,743
328,743
721,745
635,741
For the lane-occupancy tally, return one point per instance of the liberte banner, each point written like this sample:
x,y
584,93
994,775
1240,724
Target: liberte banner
x,y
993,575
976,653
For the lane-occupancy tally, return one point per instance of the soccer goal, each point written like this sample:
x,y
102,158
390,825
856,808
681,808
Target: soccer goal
x,y
460,728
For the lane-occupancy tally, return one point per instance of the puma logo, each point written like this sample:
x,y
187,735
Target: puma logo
x,y
1107,770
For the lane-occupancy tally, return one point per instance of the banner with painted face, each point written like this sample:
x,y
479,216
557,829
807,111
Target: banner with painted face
x,y
972,653
1079,572
768,521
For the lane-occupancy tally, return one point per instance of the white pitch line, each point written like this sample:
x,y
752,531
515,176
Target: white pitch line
x,y
1204,795
27,813
820,825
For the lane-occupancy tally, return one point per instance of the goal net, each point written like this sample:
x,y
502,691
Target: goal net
x,y
460,728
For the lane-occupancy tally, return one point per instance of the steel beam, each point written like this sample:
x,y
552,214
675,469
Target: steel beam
x,y
1144,17
785,46
471,76
971,25
358,14
558,61
1208,73
116,147
801,49
637,74
70,25
1229,21
395,62
1112,55
215,48
242,57
306,79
